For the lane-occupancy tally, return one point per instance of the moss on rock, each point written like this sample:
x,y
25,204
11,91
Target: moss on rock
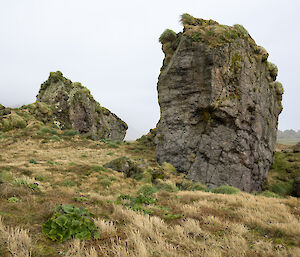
x,y
125,165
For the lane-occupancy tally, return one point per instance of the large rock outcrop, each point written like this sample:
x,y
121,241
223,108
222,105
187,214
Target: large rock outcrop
x,y
219,103
73,106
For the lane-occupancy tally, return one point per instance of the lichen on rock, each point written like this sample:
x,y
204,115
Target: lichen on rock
x,y
219,102
73,106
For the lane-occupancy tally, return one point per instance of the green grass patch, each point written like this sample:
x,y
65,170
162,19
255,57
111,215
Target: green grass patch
x,y
270,194
13,199
70,133
228,190
68,183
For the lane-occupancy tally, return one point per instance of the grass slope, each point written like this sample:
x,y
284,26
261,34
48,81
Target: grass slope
x,y
155,213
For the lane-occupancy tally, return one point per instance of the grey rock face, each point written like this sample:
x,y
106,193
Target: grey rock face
x,y
73,106
219,105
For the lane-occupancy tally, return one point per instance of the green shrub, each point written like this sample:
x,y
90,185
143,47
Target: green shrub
x,y
70,133
46,130
146,190
167,36
199,187
270,194
98,168
187,19
111,144
105,182
191,186
144,197
282,188
56,138
225,190
68,222
17,121
13,199
68,183
169,187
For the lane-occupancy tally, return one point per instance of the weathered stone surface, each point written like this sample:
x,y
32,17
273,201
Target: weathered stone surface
x,y
71,105
219,105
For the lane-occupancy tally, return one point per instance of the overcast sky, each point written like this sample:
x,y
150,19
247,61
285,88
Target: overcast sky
x,y
112,48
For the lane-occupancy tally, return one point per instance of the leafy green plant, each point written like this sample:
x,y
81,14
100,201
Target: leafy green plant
x,y
69,221
33,161
13,199
225,190
144,197
33,186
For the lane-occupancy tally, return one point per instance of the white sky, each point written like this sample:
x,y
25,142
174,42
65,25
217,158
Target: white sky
x,y
112,48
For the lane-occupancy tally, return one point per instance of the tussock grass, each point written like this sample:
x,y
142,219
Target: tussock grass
x,y
19,243
185,220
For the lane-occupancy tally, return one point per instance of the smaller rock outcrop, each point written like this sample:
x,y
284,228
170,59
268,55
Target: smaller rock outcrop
x,y
73,106
66,105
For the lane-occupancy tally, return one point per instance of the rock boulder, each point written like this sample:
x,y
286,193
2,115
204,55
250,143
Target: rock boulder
x,y
219,103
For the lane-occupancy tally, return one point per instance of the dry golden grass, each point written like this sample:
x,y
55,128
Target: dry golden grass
x,y
19,243
183,223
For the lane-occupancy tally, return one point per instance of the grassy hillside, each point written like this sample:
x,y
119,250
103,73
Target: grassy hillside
x,y
146,210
